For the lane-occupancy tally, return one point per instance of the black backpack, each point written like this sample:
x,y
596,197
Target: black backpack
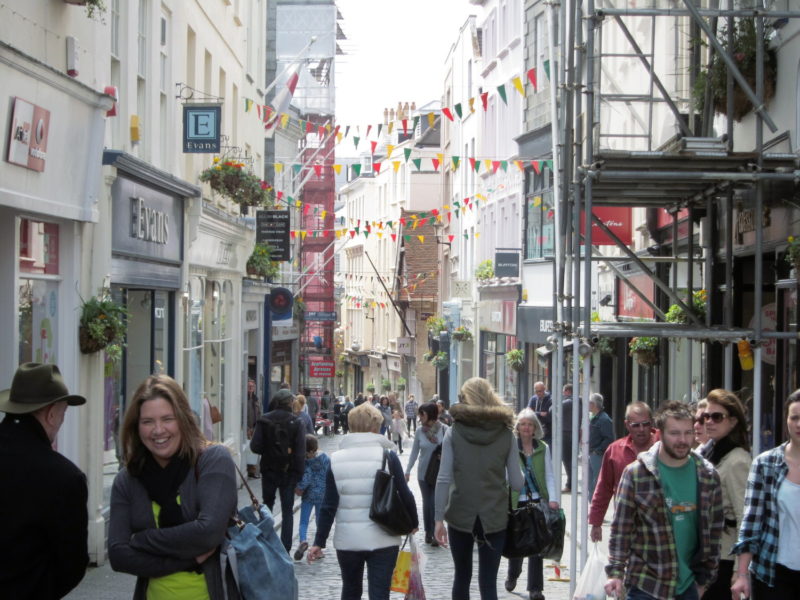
x,y
279,437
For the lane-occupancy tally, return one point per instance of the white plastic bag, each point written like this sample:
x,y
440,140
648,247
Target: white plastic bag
x,y
591,584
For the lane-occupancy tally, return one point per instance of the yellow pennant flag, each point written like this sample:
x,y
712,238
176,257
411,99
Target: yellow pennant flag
x,y
472,105
463,209
487,164
519,165
518,85
328,129
431,119
338,169
389,149
480,196
391,126
284,120
396,165
446,207
338,233
303,234
477,234
279,167
421,239
438,218
339,137
298,204
324,212
380,235
440,158
537,201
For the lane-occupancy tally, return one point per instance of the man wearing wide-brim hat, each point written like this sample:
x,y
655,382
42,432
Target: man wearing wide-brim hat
x,y
44,495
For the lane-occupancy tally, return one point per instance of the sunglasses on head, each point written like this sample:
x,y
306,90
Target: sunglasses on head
x,y
643,424
717,417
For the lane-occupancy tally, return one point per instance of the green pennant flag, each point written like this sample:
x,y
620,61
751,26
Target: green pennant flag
x,y
357,230
389,224
407,238
289,200
297,167
455,162
357,169
407,153
416,121
356,139
476,164
466,235
380,126
459,112
417,163
366,233
547,68
423,215
501,89
549,164
302,125
457,204
504,165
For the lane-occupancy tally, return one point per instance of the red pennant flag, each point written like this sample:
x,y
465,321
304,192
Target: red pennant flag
x,y
352,233
403,221
449,216
435,212
435,162
324,233
495,165
485,100
394,237
336,131
536,166
447,113
309,127
293,234
450,237
405,126
258,111
422,222
376,166
306,209
472,163
369,128
320,132
280,195
373,145
267,113
532,77
318,170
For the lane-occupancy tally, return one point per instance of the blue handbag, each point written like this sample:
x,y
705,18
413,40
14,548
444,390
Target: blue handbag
x,y
255,555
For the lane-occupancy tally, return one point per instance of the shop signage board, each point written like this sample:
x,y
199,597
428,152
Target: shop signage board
x,y
202,124
322,368
506,264
618,221
272,227
27,141
320,316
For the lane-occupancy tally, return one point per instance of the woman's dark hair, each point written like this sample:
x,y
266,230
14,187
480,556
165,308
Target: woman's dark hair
x,y
430,410
793,397
311,443
730,402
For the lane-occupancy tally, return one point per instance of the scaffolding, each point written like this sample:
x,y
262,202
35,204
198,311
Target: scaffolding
x,y
602,160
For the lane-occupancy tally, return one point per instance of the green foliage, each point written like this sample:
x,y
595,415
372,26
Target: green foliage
x,y
339,373
793,251
261,264
428,356
699,300
371,388
435,324
485,271
401,384
386,385
441,360
103,324
515,359
95,8
604,345
462,334
644,350
231,179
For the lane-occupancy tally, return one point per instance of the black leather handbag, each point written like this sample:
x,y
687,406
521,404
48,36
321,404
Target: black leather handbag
x,y
387,508
432,472
527,531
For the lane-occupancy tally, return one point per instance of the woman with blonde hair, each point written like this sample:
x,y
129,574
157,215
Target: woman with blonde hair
x,y
300,409
479,455
171,503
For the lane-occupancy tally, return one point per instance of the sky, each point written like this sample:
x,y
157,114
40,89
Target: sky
x,y
396,50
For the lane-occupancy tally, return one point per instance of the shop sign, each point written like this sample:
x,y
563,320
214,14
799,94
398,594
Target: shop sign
x,y
322,368
320,316
617,219
27,140
499,316
272,227
201,128
393,364
506,264
404,345
629,304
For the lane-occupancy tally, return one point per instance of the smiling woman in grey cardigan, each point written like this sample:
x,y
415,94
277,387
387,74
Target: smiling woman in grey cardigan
x,y
171,503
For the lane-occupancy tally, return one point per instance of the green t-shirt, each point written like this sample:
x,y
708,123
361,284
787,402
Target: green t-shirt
x,y
183,585
680,494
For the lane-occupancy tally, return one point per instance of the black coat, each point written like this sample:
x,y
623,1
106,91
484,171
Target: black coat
x,y
45,520
297,433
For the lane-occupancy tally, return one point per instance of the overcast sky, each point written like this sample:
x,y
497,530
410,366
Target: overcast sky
x,y
395,53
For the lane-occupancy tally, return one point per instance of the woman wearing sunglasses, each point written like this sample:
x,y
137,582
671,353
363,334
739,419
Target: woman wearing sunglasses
x,y
729,451
769,563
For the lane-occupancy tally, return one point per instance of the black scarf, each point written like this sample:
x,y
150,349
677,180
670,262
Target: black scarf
x,y
162,485
717,450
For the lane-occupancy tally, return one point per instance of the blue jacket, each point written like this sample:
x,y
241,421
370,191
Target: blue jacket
x,y
313,481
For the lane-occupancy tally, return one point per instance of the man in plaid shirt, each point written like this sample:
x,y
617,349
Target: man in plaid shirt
x,y
665,536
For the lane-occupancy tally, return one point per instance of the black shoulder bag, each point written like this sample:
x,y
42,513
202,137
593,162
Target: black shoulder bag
x,y
388,509
527,531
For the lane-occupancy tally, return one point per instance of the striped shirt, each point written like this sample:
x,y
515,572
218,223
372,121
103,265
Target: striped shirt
x,y
642,544
759,531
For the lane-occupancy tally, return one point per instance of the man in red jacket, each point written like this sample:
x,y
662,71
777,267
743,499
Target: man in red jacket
x,y
621,453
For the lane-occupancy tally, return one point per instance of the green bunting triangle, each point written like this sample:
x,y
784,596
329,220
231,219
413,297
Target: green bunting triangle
x,y
407,238
476,164
356,139
501,89
547,68
458,110
357,170
504,165
366,234
416,121
455,162
417,163
297,167
407,153
549,164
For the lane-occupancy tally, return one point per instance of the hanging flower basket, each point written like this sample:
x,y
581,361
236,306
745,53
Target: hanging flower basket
x,y
231,179
515,359
676,314
462,334
260,263
440,361
102,325
644,350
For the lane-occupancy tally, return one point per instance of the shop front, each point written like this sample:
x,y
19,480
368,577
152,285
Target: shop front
x,y
497,320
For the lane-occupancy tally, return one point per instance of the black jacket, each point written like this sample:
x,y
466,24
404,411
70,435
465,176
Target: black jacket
x,y
543,405
297,431
43,501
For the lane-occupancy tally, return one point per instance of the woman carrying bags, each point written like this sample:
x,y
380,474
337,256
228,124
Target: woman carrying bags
x,y
171,503
471,490
537,467
427,438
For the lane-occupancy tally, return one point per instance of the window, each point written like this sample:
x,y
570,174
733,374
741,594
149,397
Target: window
x,y
141,40
115,43
539,215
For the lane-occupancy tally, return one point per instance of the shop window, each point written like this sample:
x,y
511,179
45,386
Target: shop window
x,y
540,215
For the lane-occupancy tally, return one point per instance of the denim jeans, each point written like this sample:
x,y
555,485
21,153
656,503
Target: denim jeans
x,y
427,505
380,565
489,548
284,483
689,594
411,421
305,517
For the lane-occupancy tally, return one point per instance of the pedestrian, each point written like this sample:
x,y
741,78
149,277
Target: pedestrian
x,y
729,452
411,413
471,493
348,495
540,486
601,434
641,436
171,503
386,411
312,403
280,439
312,490
326,404
348,406
360,399
542,404
427,439
399,431
253,413
566,434
300,409
44,497
700,433
444,415
665,536
769,563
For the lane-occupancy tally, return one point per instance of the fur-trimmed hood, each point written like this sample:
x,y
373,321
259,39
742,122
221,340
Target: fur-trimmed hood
x,y
481,424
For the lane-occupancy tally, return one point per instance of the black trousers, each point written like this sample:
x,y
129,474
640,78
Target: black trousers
x,y
787,584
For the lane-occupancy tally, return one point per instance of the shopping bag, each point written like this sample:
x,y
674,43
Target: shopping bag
x,y
557,524
527,530
591,584
415,589
402,570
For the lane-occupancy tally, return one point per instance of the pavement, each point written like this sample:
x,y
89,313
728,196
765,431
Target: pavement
x,y
322,580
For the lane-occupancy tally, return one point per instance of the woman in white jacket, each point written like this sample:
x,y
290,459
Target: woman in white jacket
x,y
348,496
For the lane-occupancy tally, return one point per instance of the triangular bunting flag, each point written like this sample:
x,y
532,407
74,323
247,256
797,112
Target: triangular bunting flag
x,y
447,113
415,123
405,126
518,85
501,89
369,128
380,126
372,146
391,126
421,239
376,166
455,160
536,166
547,69
297,167
407,153
318,170
519,165
435,162
486,163
532,78
485,100
549,164
476,165
356,139
417,163
396,165
279,167
458,110
495,165
450,237
394,237
504,165
309,127
472,105
337,169
389,149
431,119
357,169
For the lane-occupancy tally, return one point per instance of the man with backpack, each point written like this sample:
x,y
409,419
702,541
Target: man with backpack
x,y
279,438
